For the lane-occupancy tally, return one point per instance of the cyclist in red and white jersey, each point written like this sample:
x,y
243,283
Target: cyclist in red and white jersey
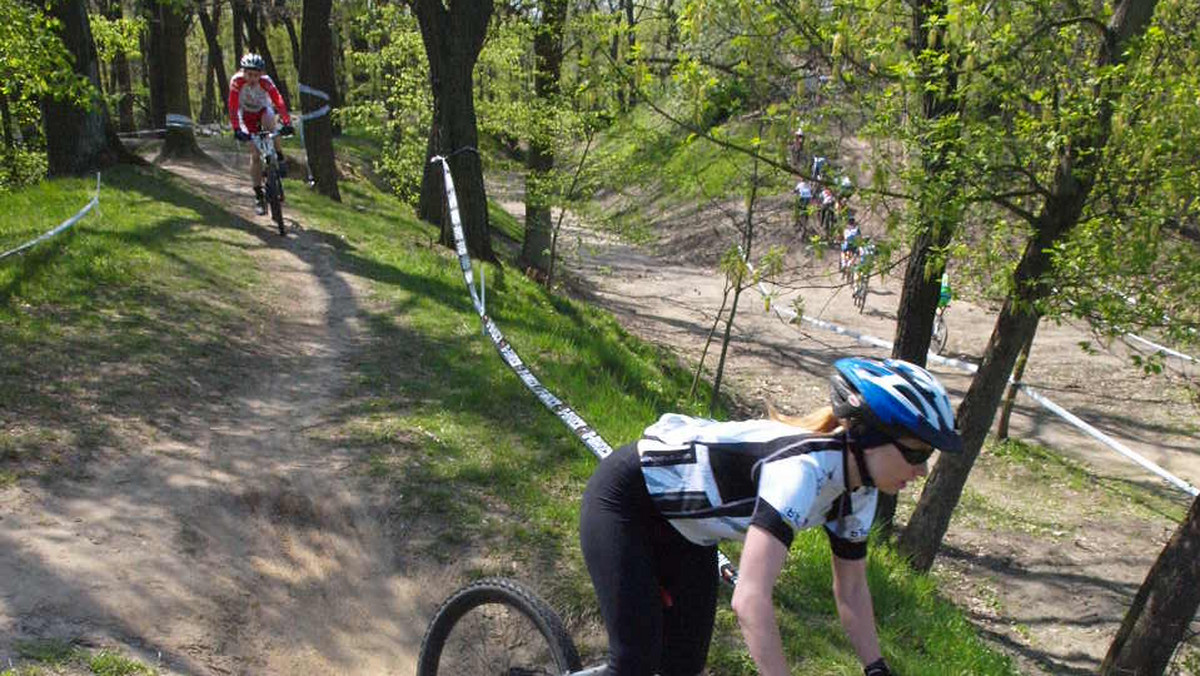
x,y
255,105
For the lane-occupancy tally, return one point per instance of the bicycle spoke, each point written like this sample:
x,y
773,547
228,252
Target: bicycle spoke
x,y
496,640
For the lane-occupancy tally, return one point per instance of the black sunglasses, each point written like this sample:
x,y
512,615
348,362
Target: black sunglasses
x,y
913,456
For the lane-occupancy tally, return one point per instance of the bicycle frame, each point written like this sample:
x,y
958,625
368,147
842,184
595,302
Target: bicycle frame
x,y
264,144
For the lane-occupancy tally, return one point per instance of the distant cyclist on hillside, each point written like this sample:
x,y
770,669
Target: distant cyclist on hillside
x,y
255,105
850,237
655,510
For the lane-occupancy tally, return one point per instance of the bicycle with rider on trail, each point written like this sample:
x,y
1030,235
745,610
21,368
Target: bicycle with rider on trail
x,y
255,105
655,510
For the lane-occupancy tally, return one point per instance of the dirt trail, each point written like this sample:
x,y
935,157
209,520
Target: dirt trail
x,y
235,543
1052,599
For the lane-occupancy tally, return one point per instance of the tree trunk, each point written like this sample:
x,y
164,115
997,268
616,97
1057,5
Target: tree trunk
x,y
1079,158
10,143
79,140
124,78
291,31
935,212
256,31
238,11
548,54
453,37
211,28
339,77
747,246
1163,609
153,65
181,139
208,104
316,71
1011,395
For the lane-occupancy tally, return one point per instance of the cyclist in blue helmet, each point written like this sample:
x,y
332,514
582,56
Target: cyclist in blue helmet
x,y
655,510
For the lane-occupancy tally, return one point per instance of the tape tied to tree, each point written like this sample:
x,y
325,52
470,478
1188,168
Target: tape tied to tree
x,y
178,121
314,92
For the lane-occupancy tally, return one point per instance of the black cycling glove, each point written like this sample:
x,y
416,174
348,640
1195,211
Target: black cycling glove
x,y
287,130
877,668
241,135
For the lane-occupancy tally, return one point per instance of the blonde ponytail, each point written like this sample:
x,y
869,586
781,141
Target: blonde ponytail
x,y
820,421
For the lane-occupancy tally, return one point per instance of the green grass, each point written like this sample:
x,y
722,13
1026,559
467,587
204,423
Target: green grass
x,y
454,432
56,656
141,306
154,303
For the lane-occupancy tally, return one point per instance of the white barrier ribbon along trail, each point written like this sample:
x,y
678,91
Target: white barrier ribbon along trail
x,y
65,225
323,110
590,438
789,316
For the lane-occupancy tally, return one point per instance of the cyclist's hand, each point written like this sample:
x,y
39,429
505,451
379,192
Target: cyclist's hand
x,y
877,668
287,130
241,135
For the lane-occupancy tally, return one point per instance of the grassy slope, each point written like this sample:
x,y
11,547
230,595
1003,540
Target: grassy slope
x,y
436,416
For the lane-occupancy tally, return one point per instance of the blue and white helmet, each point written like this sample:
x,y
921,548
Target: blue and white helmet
x,y
252,61
898,398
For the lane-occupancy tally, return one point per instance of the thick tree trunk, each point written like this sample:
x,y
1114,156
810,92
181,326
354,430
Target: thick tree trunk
x,y
316,71
79,140
1079,161
934,211
453,37
211,26
256,31
181,139
548,55
1011,395
1163,609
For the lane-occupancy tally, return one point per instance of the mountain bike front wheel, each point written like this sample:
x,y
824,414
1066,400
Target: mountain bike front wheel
x,y
275,199
496,627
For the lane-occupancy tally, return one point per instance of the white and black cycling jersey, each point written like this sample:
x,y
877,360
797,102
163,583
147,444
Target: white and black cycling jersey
x,y
712,480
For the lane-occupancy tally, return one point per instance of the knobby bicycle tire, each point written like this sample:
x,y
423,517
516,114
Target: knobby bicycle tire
x,y
275,199
496,627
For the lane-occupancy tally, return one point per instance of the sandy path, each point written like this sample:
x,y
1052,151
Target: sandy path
x,y
235,543
1053,603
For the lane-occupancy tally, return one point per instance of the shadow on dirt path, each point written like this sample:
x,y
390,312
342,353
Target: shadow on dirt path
x,y
232,541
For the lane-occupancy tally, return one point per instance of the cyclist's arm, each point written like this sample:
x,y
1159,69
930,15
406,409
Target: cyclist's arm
x,y
854,606
761,562
235,104
276,99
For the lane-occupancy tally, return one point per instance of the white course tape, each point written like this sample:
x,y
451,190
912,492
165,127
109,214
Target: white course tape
x,y
95,201
790,316
312,91
1111,443
590,437
323,110
141,132
178,121
1159,348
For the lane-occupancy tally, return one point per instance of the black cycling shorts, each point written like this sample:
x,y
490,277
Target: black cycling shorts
x,y
657,590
